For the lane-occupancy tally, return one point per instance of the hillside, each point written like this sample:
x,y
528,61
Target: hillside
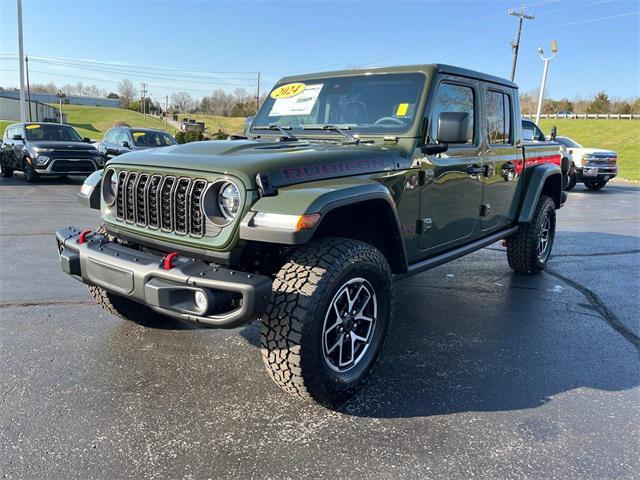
x,y
213,123
623,136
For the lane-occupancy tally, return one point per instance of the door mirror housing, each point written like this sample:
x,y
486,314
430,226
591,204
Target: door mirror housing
x,y
125,144
553,134
434,148
453,127
17,136
86,140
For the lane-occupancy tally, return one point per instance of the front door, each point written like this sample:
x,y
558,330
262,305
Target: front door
x,y
502,158
452,190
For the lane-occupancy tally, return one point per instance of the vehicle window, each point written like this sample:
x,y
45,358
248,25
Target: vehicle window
x,y
122,137
48,132
453,98
152,139
111,136
498,118
366,104
532,132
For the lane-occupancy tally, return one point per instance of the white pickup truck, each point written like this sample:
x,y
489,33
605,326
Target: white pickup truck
x,y
592,166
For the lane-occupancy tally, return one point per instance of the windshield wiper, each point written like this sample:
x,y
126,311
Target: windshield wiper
x,y
283,130
341,130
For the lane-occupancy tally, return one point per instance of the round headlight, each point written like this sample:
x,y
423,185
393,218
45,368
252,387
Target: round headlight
x,y
229,201
109,187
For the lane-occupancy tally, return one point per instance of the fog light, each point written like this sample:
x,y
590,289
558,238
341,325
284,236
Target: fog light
x,y
201,301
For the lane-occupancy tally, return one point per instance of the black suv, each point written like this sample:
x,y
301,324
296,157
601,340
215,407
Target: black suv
x,y
119,140
47,149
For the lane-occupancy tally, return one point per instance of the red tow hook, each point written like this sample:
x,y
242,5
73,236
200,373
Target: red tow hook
x,y
167,263
82,238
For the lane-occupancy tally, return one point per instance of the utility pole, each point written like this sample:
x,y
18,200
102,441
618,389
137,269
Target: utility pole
x,y
26,63
23,109
516,46
258,95
144,93
554,49
166,111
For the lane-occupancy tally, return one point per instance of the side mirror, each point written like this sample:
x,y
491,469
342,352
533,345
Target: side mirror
x,y
433,148
86,140
553,134
17,137
453,127
125,144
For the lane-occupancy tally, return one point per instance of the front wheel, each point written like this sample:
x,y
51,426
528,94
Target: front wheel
x,y
528,250
330,311
594,185
29,172
572,179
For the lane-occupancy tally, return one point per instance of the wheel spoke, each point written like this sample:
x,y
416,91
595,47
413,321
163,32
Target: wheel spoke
x,y
338,343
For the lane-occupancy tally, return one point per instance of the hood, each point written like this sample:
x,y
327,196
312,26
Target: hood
x,y
600,151
286,163
62,145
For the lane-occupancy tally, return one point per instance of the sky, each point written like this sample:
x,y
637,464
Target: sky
x,y
197,46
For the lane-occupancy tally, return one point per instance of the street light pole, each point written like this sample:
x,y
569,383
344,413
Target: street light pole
x,y
23,109
516,45
546,60
166,112
60,95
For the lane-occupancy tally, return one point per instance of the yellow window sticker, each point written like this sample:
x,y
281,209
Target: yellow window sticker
x,y
31,127
138,134
402,109
288,90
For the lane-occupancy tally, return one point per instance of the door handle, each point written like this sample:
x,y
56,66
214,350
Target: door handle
x,y
476,170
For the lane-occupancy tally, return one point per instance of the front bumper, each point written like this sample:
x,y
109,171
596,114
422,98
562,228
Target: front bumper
x,y
598,173
233,298
66,166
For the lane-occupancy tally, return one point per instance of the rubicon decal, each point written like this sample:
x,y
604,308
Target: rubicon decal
x,y
326,169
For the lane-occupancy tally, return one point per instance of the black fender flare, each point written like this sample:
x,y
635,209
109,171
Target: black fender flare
x,y
545,177
324,198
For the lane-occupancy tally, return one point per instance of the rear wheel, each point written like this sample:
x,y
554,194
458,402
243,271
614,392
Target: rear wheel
x,y
594,185
528,250
330,311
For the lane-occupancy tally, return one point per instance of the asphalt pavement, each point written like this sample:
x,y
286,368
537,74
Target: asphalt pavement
x,y
486,373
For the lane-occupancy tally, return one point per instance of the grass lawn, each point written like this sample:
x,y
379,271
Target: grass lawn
x,y
213,123
623,136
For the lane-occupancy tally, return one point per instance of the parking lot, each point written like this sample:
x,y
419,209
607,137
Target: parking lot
x,y
486,373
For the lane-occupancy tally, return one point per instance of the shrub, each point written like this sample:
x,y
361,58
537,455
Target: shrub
x,y
190,136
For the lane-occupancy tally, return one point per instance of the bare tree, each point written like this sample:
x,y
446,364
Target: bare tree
x,y
182,101
127,92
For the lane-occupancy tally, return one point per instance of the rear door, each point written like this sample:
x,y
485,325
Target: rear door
x,y
450,198
502,158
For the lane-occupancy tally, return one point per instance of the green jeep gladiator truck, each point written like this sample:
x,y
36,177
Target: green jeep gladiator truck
x,y
345,182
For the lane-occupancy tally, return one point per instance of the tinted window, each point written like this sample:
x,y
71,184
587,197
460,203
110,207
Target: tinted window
x,y
498,118
151,139
453,98
367,104
532,132
55,133
122,137
111,136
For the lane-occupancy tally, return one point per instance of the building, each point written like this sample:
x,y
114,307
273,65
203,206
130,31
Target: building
x,y
40,112
69,99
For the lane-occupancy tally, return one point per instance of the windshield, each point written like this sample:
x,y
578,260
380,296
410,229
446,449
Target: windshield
x,y
365,104
152,139
567,142
55,133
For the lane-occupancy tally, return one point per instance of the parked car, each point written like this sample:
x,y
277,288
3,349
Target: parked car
x,y
533,134
39,149
565,113
349,180
119,140
592,166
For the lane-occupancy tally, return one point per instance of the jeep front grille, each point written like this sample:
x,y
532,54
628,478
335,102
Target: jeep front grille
x,y
161,202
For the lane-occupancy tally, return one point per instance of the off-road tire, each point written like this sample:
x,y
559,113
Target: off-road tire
x,y
522,247
572,179
30,174
292,328
121,306
595,185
